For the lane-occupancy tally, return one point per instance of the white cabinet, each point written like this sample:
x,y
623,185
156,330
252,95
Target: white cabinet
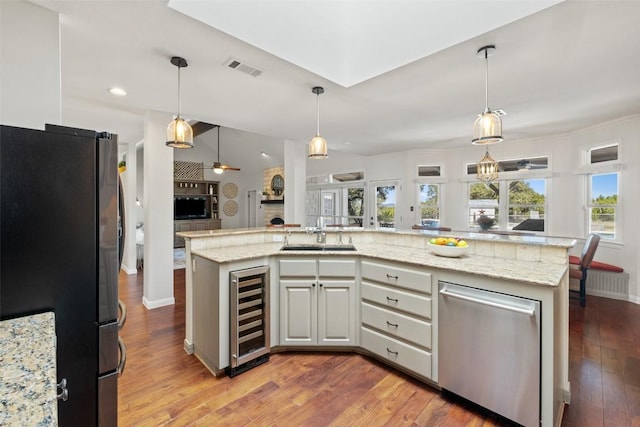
x,y
396,312
318,302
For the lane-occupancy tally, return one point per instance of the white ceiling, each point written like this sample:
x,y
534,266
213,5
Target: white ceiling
x,y
566,67
350,41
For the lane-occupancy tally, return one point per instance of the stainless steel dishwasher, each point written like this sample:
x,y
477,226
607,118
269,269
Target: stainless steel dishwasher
x,y
489,350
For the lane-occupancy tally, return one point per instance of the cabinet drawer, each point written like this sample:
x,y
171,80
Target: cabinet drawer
x,y
336,268
396,299
414,330
410,357
398,276
298,267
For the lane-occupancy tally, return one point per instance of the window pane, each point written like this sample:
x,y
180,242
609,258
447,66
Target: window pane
x,y
475,213
386,206
428,170
429,207
355,206
526,204
603,154
604,199
483,200
482,193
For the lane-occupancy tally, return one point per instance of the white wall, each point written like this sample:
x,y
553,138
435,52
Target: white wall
x,y
566,189
29,65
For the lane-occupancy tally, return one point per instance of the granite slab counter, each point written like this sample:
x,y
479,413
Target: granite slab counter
x,y
28,371
523,271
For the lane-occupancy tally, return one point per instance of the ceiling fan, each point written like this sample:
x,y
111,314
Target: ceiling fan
x,y
218,167
528,165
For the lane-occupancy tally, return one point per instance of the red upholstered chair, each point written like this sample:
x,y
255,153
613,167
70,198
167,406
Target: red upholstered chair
x,y
588,251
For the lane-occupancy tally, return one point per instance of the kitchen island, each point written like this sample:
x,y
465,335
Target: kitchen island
x,y
525,266
28,371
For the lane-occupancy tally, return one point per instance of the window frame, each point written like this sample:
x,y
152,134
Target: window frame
x,y
589,170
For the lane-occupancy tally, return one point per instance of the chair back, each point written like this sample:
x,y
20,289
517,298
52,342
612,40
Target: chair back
x,y
589,250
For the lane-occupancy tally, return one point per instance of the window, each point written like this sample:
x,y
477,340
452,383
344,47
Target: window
x,y
483,200
429,203
603,180
526,204
335,205
603,204
522,208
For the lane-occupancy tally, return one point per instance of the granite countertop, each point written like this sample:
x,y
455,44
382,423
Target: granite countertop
x,y
28,371
529,272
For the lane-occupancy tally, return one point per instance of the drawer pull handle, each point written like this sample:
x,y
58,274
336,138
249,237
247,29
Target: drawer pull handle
x,y
392,277
395,325
392,299
395,353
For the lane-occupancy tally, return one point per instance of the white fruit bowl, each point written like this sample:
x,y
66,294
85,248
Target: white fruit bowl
x,y
448,251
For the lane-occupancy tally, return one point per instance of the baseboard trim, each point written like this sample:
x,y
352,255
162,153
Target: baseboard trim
x,y
150,305
188,347
128,270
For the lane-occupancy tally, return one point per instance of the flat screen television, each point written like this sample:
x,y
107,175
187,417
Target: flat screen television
x,y
190,208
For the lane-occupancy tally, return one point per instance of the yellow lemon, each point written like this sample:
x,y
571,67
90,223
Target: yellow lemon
x,y
462,244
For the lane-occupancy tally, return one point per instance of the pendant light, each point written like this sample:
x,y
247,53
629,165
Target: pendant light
x,y
487,168
487,128
318,145
179,132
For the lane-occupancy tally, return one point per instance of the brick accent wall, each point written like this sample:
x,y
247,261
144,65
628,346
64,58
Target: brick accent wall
x,y
272,210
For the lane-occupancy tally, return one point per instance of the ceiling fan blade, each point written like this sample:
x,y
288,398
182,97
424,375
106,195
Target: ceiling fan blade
x,y
229,168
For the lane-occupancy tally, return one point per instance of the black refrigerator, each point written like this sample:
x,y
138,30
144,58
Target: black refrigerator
x,y
59,194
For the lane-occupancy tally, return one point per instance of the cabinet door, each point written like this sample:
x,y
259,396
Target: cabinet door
x,y
336,312
178,242
298,312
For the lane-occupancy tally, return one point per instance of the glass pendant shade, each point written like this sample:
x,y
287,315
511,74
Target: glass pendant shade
x,y
179,134
318,145
487,168
318,148
217,168
487,129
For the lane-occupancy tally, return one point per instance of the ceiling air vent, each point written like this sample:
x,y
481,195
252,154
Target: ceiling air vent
x,y
243,67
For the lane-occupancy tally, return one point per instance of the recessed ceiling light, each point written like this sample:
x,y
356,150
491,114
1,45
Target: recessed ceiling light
x,y
117,91
264,154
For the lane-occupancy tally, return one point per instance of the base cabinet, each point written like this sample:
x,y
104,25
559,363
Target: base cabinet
x,y
396,315
317,302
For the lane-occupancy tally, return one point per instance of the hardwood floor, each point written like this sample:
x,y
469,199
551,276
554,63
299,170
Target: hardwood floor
x,y
162,385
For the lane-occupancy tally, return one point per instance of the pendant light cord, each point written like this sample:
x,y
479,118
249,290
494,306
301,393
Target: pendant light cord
x,y
218,144
486,83
317,114
179,92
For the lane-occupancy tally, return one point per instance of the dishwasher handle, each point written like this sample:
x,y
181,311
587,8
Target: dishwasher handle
x,y
529,312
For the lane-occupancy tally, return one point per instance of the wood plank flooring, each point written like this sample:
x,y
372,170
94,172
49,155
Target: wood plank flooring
x,y
164,386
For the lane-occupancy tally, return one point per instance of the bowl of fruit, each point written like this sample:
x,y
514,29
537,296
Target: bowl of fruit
x,y
451,247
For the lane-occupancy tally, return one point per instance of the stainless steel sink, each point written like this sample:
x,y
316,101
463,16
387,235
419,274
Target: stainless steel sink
x,y
318,247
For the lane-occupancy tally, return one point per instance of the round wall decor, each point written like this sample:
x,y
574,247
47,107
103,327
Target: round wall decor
x,y
230,190
230,208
